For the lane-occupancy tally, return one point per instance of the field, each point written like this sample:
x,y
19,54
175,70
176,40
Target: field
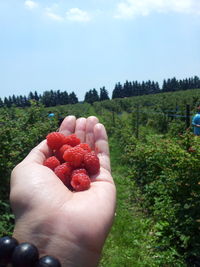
x,y
155,165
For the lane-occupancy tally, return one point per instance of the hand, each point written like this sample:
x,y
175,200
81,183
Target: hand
x,y
71,226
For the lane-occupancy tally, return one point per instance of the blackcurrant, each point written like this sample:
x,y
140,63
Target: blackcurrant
x,y
48,261
25,255
7,246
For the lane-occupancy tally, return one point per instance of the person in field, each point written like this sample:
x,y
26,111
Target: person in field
x,y
196,122
51,114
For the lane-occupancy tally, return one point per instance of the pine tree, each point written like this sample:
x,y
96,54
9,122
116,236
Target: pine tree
x,y
196,82
1,103
127,89
14,100
73,98
7,103
91,96
46,98
36,97
86,98
64,98
95,95
118,91
103,94
31,96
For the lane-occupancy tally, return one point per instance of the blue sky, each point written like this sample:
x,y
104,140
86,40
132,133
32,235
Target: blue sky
x,y
80,45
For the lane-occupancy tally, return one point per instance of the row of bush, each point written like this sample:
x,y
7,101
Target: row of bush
x,y
166,171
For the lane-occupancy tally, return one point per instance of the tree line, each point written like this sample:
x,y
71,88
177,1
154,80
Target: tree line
x,y
128,89
48,99
150,87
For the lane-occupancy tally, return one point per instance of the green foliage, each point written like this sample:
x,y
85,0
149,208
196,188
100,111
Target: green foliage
x,y
176,127
7,219
167,173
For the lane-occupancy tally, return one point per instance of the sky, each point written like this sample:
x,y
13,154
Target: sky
x,y
80,45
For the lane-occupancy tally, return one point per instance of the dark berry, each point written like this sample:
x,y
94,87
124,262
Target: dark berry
x,y
7,246
25,255
48,261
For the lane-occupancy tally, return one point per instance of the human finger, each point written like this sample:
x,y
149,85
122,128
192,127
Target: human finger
x,y
101,146
67,127
80,129
90,123
39,153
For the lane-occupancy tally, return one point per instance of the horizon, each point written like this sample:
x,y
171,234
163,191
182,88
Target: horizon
x,y
98,90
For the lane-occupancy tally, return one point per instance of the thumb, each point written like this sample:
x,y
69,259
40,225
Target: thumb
x,y
38,154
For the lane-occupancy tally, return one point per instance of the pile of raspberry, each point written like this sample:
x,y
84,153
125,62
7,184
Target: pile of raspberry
x,y
72,161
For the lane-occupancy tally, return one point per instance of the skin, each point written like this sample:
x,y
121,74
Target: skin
x,y
71,226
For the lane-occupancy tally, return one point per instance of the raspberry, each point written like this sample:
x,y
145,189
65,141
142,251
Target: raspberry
x,y
51,162
59,153
80,170
73,161
55,140
63,171
85,146
91,163
72,140
74,156
80,182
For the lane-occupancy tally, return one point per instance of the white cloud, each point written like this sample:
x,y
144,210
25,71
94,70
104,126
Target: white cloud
x,y
76,14
133,8
30,4
49,13
55,12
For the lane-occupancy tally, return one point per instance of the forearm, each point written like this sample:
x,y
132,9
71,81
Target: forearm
x,y
195,124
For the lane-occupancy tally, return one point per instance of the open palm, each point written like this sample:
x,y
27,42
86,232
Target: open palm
x,y
69,225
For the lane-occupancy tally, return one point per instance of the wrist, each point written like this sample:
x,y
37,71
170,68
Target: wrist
x,y
54,240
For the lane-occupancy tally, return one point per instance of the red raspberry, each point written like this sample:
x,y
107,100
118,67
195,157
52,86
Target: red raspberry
x,y
64,173
72,140
55,140
74,156
91,163
85,146
51,162
81,170
59,153
80,182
